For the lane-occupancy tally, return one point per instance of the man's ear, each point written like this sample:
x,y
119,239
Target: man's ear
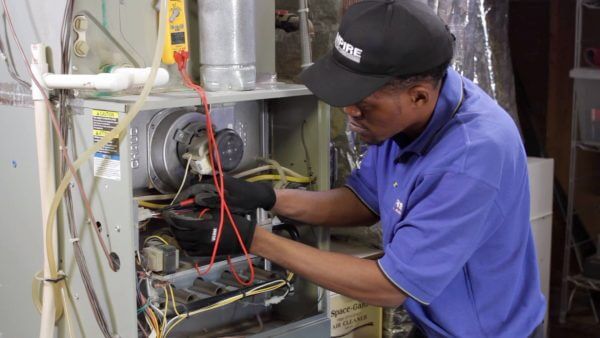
x,y
420,95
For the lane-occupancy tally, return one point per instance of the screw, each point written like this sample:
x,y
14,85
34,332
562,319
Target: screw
x,y
81,48
80,23
117,228
76,296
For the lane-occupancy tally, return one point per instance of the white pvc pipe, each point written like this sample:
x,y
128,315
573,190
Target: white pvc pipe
x,y
43,139
112,82
46,176
117,80
140,75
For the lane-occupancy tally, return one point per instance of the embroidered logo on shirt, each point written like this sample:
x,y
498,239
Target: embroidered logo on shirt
x,y
398,207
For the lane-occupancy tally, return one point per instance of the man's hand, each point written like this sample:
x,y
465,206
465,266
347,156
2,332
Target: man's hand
x,y
197,235
241,196
329,269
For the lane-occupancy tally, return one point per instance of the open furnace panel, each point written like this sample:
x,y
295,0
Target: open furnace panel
x,y
130,179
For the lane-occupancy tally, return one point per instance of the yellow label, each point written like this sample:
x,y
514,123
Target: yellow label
x,y
100,133
176,33
105,113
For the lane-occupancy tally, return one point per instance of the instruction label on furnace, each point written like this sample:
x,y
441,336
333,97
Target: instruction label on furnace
x,y
107,161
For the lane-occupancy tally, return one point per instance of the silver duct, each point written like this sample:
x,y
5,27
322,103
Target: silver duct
x,y
227,44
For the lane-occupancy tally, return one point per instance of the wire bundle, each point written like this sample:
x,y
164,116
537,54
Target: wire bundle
x,y
257,290
283,175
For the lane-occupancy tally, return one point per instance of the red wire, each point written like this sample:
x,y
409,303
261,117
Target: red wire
x,y
204,211
181,59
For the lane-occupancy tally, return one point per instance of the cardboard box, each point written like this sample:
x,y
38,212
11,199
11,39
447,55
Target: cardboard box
x,y
353,319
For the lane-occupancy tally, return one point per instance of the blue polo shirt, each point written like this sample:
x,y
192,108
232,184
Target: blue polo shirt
x,y
454,209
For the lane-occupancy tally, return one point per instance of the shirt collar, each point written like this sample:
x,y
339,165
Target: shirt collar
x,y
448,103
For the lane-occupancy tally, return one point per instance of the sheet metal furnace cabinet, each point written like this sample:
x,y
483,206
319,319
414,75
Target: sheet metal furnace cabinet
x,y
285,123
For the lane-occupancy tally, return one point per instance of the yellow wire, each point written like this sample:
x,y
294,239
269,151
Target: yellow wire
x,y
164,321
204,309
149,313
173,300
175,324
272,177
150,323
154,321
253,292
151,205
265,289
155,237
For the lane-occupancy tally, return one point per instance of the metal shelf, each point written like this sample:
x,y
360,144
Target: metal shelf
x,y
585,73
186,97
583,282
588,146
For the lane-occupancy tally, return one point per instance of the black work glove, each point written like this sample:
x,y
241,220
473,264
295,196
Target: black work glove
x,y
197,235
241,196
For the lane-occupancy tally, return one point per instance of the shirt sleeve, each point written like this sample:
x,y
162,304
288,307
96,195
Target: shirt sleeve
x,y
445,221
363,181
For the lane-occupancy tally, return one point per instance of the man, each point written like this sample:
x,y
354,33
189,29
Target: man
x,y
445,174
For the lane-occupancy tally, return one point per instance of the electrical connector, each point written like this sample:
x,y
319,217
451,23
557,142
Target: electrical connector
x,y
144,214
274,300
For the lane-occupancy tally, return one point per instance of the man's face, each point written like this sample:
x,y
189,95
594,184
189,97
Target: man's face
x,y
385,113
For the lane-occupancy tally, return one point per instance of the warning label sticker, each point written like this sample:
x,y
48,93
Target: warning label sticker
x,y
107,161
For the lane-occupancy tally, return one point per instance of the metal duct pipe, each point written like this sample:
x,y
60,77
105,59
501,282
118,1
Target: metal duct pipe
x,y
227,44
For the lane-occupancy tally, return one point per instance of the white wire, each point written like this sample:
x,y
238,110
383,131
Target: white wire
x,y
264,168
187,170
253,171
282,179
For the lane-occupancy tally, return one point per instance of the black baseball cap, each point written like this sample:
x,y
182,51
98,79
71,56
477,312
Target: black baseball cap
x,y
377,41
